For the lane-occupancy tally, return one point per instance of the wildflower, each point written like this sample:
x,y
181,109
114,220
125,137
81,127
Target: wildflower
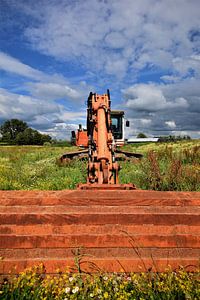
x,y
75,290
106,295
91,295
71,279
67,290
99,291
128,278
105,278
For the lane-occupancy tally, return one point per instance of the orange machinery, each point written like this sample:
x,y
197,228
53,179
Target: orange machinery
x,y
105,131
102,166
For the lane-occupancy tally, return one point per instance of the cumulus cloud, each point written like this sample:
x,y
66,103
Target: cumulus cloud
x,y
44,86
49,90
40,114
23,107
92,32
164,107
171,124
117,44
143,97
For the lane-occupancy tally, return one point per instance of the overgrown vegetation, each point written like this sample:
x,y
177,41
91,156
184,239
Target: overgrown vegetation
x,y
33,284
33,167
174,166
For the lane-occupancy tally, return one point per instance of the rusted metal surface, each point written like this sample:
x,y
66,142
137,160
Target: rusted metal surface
x,y
83,154
113,187
116,230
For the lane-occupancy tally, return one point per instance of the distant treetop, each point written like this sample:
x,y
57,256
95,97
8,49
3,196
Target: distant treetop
x,y
17,132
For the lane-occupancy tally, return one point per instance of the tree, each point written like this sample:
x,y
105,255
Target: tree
x,y
141,135
17,132
11,128
32,137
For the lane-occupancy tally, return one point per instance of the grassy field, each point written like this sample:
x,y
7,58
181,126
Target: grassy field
x,y
164,167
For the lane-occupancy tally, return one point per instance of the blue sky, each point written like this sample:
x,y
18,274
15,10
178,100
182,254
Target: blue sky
x,y
147,52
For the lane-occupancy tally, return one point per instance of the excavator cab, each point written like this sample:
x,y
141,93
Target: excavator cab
x,y
118,124
80,137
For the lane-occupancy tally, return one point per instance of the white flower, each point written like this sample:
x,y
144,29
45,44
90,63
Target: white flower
x,y
99,291
91,295
105,278
75,290
71,279
129,278
67,290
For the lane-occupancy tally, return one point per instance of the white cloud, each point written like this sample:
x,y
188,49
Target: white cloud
x,y
171,124
92,32
186,64
145,121
149,97
170,78
114,43
169,107
53,91
24,107
13,65
45,86
39,114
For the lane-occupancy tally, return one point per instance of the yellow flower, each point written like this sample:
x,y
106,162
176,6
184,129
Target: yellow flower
x,y
105,295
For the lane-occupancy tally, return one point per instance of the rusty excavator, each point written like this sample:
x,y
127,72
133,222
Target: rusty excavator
x,y
101,141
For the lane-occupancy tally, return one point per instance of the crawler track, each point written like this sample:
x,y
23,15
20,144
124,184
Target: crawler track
x,y
114,230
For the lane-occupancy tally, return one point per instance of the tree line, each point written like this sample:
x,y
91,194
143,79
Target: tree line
x,y
17,132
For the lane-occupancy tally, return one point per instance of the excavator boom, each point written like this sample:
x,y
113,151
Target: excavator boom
x,y
102,167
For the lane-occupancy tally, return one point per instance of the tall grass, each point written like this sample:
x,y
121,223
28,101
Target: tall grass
x,y
174,168
164,167
29,168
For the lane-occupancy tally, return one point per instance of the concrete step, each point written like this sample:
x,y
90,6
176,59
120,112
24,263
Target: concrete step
x,y
112,230
49,229
88,264
100,219
87,198
99,241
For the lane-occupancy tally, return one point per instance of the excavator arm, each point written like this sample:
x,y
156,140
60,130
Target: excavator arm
x,y
102,166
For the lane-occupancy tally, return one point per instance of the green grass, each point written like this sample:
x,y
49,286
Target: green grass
x,y
31,167
165,166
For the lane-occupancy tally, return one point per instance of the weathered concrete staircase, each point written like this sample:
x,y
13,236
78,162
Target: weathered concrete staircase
x,y
112,230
